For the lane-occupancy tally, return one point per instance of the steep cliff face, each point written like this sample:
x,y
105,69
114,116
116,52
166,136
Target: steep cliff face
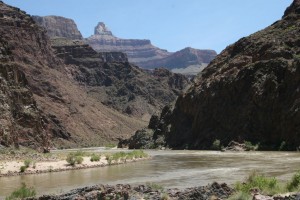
x,y
40,99
59,27
249,92
144,54
21,122
119,84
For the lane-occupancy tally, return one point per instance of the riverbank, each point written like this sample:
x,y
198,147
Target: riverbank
x,y
34,163
149,191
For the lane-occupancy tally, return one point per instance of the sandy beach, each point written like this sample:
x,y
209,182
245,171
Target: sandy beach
x,y
12,167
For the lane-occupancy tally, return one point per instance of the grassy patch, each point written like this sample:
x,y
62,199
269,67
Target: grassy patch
x,y
155,186
125,156
294,184
95,157
266,185
21,193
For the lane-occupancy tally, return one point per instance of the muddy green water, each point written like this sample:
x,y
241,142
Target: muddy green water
x,y
169,168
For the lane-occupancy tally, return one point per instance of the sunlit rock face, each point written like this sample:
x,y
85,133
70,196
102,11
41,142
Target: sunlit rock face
x,y
59,27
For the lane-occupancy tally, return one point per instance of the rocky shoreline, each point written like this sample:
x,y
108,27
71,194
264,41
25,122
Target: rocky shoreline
x,y
214,191
126,191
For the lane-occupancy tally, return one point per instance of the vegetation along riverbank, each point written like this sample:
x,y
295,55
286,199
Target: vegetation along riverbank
x,y
30,162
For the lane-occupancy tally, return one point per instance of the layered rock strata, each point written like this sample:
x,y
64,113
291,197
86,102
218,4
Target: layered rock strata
x,y
144,54
59,27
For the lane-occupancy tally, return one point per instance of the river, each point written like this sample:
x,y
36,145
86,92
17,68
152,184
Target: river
x,y
168,168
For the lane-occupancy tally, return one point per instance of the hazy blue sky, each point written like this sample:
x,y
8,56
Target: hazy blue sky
x,y
169,24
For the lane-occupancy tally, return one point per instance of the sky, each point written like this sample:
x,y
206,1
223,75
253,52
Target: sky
x,y
169,24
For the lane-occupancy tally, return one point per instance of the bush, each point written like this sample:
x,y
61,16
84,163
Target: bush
x,y
22,192
78,159
254,180
250,147
95,157
216,145
72,159
294,183
27,163
23,169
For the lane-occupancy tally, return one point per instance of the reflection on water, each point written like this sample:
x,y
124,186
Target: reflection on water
x,y
169,168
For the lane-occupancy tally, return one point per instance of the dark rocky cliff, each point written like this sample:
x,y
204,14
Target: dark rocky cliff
x,y
249,92
119,84
59,27
22,122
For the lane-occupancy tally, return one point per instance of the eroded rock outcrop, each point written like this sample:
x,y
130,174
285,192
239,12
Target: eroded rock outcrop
x,y
249,92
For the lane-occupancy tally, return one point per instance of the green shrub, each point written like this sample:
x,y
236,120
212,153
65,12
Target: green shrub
x,y
72,159
27,163
216,145
21,193
95,157
155,186
265,184
250,147
23,168
294,183
78,159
